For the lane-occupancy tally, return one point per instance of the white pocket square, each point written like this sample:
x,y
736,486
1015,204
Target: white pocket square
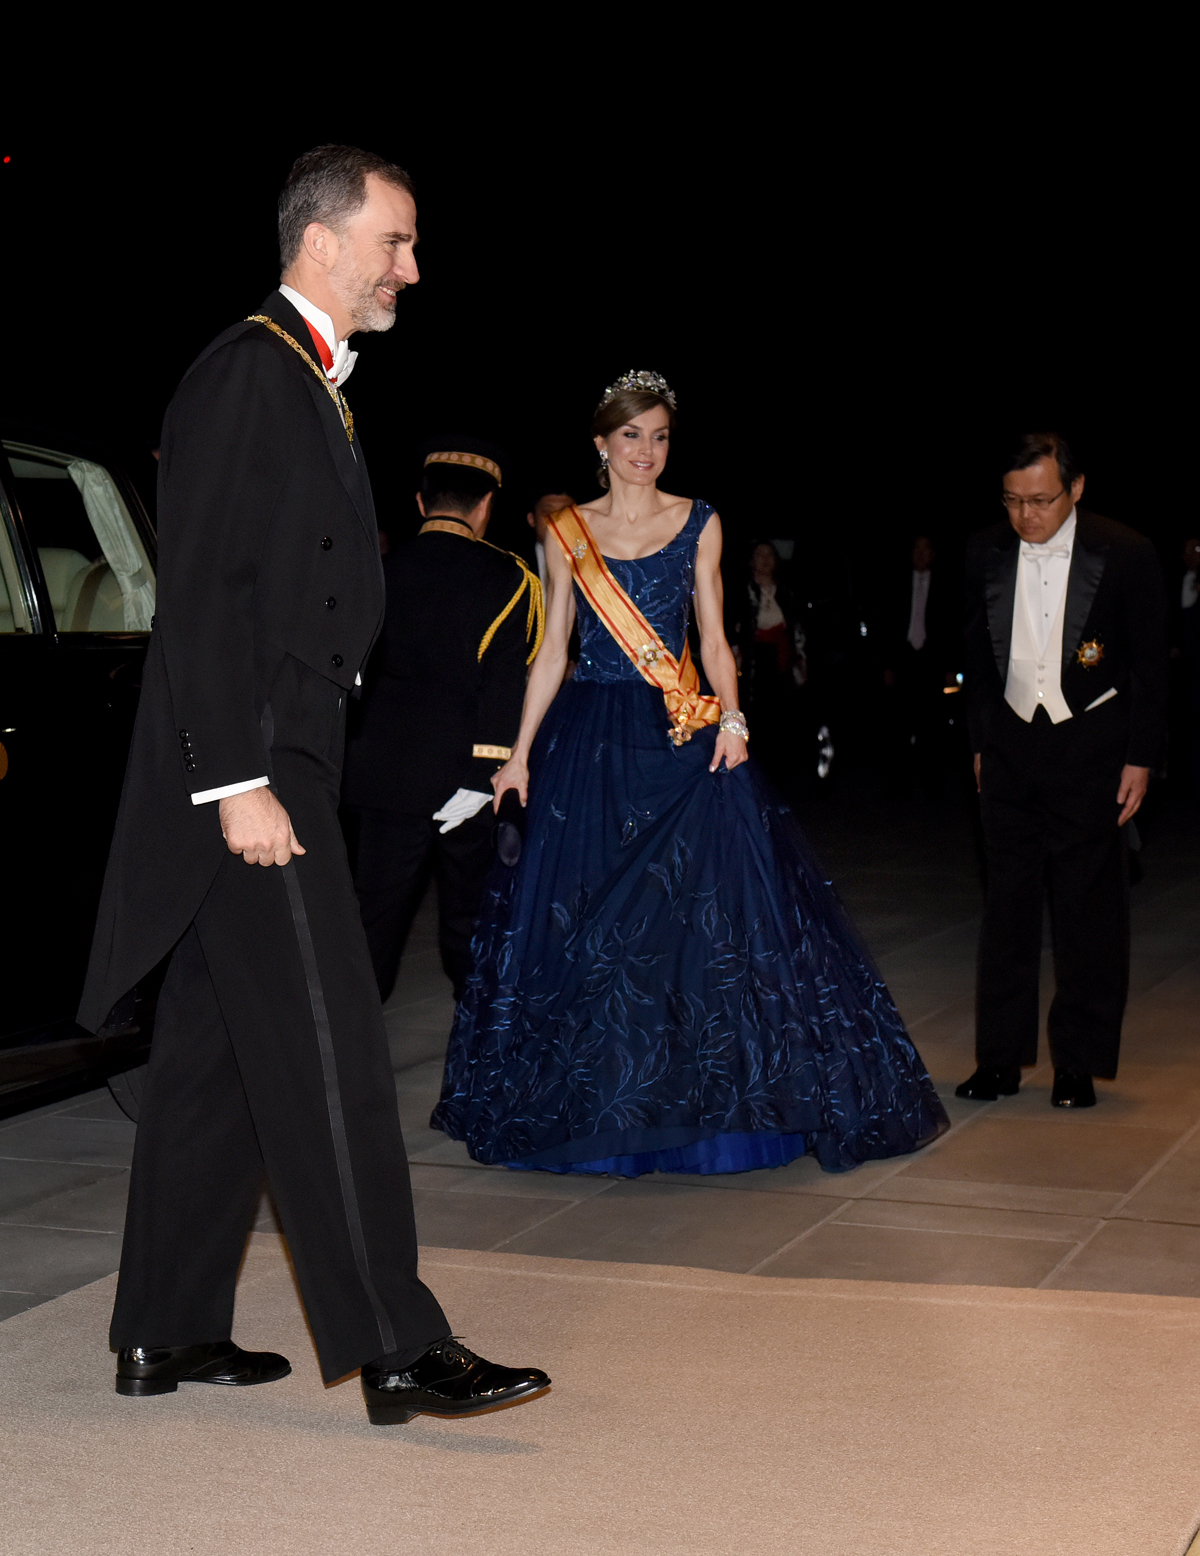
x,y
1103,697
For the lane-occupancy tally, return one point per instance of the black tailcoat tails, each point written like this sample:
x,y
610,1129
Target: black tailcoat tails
x,y
269,1045
443,700
1048,793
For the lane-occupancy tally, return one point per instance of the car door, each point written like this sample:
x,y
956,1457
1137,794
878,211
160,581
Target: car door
x,y
77,562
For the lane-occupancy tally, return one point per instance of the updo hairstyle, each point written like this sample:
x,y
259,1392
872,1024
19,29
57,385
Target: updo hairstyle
x,y
622,408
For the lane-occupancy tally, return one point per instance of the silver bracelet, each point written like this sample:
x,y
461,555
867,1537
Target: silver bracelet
x,y
733,722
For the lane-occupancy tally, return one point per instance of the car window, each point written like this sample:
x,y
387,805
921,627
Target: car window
x,y
15,615
96,569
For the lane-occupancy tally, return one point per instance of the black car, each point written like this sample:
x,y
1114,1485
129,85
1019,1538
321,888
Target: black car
x,y
77,586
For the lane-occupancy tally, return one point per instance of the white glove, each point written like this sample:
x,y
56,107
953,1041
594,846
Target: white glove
x,y
460,807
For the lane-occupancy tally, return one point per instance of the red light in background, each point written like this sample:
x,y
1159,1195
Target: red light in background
x,y
8,159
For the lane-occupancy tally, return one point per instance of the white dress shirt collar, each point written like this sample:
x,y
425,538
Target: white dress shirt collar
x,y
343,358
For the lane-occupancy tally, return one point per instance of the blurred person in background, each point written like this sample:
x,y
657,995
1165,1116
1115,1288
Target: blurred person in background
x,y
1185,655
767,636
921,643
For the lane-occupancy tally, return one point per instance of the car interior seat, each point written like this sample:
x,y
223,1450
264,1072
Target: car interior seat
x,y
84,595
64,571
94,603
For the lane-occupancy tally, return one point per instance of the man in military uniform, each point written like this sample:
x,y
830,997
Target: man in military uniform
x,y
464,620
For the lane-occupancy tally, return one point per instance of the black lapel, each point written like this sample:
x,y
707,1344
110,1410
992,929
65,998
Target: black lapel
x,y
999,592
351,467
1087,567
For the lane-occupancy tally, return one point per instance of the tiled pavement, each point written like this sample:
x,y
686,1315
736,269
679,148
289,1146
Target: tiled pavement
x,y
1017,1194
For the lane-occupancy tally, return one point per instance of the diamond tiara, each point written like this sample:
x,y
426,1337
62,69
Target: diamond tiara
x,y
654,383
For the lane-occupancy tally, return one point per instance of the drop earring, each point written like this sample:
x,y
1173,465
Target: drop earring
x,y
604,458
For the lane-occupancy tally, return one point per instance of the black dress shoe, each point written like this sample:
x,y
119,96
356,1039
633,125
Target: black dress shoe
x,y
447,1380
162,1369
987,1084
1072,1091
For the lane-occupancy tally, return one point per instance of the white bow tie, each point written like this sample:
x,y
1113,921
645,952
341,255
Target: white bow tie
x,y
343,364
1028,549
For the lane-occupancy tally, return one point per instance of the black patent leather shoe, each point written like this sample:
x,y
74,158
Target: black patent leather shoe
x,y
1072,1091
447,1380
162,1369
988,1083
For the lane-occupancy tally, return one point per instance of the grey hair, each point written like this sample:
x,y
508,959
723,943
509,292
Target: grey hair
x,y
328,184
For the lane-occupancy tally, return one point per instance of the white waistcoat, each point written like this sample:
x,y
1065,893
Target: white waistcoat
x,y
1034,673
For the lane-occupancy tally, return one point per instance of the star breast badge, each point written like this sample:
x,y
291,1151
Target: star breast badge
x,y
1089,654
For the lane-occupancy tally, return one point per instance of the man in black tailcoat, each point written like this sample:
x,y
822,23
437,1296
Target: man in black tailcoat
x,y
1066,687
441,711
269,1049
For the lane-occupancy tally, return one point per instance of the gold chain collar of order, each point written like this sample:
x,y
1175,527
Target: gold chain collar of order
x,y
335,394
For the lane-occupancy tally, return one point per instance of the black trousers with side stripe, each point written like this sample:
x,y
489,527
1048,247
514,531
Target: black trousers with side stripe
x,y
269,1052
1048,804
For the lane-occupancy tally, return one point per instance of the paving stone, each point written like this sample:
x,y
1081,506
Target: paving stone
x,y
1137,1256
51,1261
1049,1152
657,1223
94,1104
977,1220
27,1183
479,1180
464,1220
60,1138
839,1252
98,1207
1092,1204
1173,1193
13,1302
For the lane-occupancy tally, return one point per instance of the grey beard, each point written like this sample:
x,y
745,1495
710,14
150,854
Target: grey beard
x,y
369,314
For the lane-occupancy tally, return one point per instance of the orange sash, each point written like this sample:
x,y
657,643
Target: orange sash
x,y
677,679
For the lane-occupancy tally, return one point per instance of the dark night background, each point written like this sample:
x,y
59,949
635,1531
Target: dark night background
x,y
856,295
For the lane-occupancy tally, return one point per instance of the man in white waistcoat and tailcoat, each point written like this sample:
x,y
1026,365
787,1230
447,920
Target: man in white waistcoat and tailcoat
x,y
1066,695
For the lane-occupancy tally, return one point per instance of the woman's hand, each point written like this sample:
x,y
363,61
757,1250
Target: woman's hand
x,y
731,747
513,775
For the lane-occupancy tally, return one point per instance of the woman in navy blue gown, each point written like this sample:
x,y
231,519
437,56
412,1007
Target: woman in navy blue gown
x,y
666,981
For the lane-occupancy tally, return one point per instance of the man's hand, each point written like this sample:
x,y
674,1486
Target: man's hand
x,y
1134,783
255,825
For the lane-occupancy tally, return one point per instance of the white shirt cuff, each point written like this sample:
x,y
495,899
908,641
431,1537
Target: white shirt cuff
x,y
203,797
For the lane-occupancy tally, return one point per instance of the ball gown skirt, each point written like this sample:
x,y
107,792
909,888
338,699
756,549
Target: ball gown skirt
x,y
666,982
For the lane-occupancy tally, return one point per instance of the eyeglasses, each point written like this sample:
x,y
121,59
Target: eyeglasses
x,y
1040,504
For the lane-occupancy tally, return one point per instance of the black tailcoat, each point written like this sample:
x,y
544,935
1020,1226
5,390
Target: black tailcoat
x,y
1048,792
1115,597
268,548
432,699
269,1046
